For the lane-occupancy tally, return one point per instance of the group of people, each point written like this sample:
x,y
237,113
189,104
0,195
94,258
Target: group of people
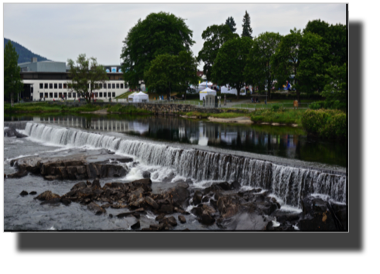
x,y
255,100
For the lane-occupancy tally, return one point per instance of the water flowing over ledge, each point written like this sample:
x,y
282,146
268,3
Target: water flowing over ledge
x,y
289,183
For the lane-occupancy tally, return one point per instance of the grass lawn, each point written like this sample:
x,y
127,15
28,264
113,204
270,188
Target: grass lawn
x,y
282,116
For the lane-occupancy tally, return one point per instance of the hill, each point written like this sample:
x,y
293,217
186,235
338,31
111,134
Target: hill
x,y
24,55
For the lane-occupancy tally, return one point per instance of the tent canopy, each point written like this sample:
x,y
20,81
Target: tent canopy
x,y
139,97
206,91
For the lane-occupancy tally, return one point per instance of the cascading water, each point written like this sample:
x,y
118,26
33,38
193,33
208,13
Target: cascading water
x,y
288,183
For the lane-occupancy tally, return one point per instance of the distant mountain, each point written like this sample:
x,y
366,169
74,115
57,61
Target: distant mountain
x,y
24,55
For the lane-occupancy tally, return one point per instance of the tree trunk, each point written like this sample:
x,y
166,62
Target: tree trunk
x,y
12,101
269,87
238,92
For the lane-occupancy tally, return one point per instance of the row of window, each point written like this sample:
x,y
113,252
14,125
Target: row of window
x,y
97,86
74,95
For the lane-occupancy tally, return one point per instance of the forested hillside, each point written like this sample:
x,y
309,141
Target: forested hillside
x,y
24,55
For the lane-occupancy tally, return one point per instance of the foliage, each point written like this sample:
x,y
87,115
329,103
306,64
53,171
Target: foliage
x,y
126,109
258,70
85,76
159,33
275,107
24,55
335,90
230,63
333,35
247,30
230,22
215,36
282,116
12,77
325,123
187,70
316,105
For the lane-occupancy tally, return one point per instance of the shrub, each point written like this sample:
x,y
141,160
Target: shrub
x,y
325,123
275,107
316,105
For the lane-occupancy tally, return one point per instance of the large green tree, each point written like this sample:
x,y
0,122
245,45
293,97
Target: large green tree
x,y
85,76
230,63
247,30
258,70
12,78
215,36
335,90
171,72
159,33
230,22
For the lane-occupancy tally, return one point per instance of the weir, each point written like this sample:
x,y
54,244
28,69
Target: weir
x,y
289,183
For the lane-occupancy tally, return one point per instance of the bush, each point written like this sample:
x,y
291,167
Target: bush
x,y
325,123
275,107
317,105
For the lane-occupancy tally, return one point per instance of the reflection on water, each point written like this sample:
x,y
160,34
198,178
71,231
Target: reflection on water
x,y
277,141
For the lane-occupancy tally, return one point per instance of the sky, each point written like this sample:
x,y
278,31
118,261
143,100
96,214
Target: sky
x,y
63,31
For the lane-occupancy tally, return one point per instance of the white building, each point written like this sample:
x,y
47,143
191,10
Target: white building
x,y
48,80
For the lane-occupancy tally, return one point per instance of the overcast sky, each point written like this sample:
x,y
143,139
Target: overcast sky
x,y
62,31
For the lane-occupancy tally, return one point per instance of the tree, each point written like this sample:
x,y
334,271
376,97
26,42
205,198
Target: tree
x,y
230,22
247,30
258,70
335,90
85,76
12,78
159,33
215,36
187,70
230,63
285,62
333,35
170,72
162,74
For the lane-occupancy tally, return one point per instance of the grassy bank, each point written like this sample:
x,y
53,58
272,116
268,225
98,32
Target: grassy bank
x,y
278,115
43,107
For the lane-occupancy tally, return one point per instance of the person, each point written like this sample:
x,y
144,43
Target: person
x,y
251,99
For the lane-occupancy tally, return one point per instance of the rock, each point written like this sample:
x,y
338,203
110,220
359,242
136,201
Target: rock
x,y
18,174
124,160
166,208
96,184
197,198
94,207
206,218
146,175
340,216
145,184
160,217
180,195
182,219
110,216
136,225
79,186
65,201
151,202
23,193
228,206
170,221
47,195
138,203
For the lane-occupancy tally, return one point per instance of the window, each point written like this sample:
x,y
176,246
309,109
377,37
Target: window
x,y
113,86
113,94
65,94
64,85
60,86
51,95
46,85
74,95
100,94
55,86
55,95
121,85
109,86
41,95
46,95
109,94
96,94
41,86
100,85
96,86
117,85
69,94
60,95
51,86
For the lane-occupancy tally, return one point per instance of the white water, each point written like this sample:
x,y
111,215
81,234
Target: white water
x,y
287,183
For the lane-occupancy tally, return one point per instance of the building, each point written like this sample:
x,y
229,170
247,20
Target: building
x,y
48,80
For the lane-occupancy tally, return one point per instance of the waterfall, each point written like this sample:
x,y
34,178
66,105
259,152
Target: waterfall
x,y
288,183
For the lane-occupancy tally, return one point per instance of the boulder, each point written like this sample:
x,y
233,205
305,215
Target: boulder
x,y
32,193
47,196
79,185
182,219
18,174
197,198
228,205
146,175
94,207
151,202
180,195
23,193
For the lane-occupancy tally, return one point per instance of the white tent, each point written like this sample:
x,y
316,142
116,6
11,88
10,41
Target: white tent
x,y
130,96
140,97
207,91
201,86
229,90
